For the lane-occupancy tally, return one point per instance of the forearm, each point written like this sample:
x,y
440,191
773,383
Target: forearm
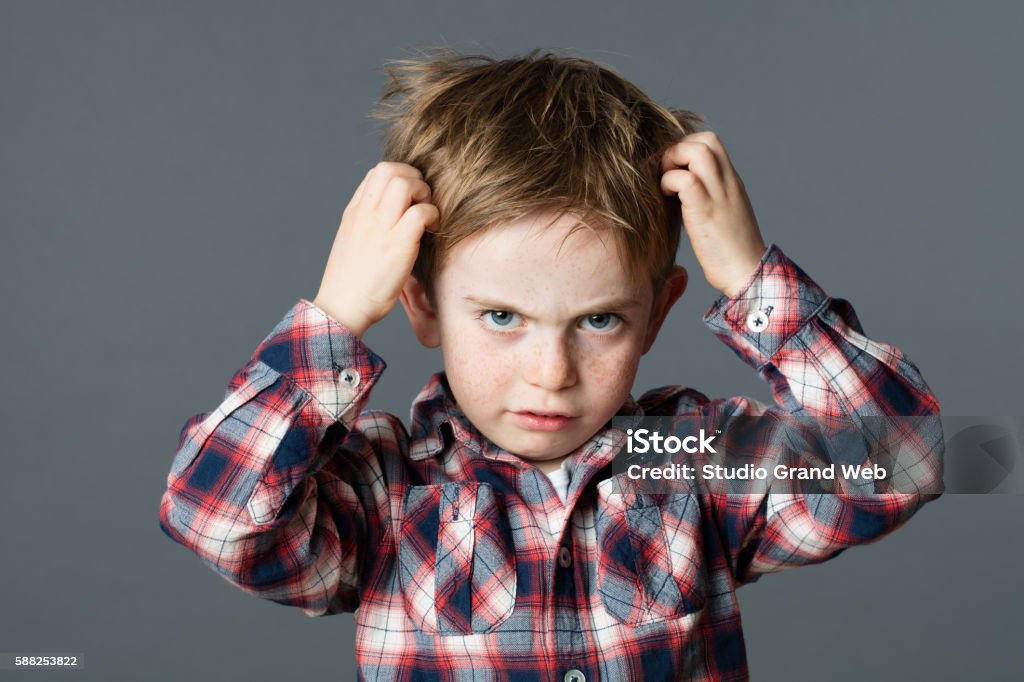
x,y
261,488
849,399
812,350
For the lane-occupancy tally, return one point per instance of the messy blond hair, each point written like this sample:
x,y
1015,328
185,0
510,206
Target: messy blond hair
x,y
499,140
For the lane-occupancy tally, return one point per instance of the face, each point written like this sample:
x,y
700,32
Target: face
x,y
541,332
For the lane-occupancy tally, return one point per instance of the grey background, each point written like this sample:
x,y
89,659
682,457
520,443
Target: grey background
x,y
172,176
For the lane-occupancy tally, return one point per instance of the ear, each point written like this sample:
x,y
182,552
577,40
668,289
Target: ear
x,y
671,290
422,315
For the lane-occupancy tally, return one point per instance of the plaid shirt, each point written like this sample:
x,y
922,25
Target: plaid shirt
x,y
460,558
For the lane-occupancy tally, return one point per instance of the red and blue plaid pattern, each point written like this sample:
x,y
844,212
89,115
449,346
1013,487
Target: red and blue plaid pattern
x,y
459,556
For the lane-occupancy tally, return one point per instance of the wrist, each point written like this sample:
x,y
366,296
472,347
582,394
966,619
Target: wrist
x,y
740,275
738,282
357,324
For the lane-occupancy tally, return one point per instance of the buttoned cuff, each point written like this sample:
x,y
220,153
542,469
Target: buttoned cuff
x,y
773,305
323,358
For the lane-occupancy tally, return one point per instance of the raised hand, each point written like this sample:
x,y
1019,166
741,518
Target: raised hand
x,y
376,245
717,214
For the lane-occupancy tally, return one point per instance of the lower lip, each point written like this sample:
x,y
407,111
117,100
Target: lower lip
x,y
541,423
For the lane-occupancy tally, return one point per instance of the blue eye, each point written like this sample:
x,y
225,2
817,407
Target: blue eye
x,y
502,319
602,322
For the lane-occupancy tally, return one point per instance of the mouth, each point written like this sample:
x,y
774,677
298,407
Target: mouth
x,y
542,420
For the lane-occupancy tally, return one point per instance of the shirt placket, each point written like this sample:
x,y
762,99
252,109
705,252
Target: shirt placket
x,y
575,656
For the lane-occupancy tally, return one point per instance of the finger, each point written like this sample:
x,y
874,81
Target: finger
x,y
379,176
711,139
679,152
416,220
699,159
360,190
399,168
692,193
400,193
730,177
677,180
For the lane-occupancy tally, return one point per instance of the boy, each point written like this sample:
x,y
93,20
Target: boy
x,y
528,222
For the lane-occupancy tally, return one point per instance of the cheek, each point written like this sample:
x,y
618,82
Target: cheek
x,y
612,372
474,372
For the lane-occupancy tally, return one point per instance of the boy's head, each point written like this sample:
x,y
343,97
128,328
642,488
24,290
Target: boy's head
x,y
498,140
552,266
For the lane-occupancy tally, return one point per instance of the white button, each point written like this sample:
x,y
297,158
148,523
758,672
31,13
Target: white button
x,y
757,321
564,559
350,377
574,675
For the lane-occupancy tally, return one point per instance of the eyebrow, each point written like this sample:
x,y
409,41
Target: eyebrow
x,y
614,305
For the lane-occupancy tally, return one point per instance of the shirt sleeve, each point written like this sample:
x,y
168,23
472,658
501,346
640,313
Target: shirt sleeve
x,y
812,351
274,489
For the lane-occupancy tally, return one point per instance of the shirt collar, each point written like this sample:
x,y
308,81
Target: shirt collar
x,y
436,422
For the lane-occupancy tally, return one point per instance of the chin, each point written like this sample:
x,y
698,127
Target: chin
x,y
541,448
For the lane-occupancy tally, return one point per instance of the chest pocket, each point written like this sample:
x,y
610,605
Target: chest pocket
x,y
649,545
456,559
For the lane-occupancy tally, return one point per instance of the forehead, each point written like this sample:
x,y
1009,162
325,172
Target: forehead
x,y
533,257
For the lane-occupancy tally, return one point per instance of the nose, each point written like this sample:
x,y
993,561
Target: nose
x,y
550,362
